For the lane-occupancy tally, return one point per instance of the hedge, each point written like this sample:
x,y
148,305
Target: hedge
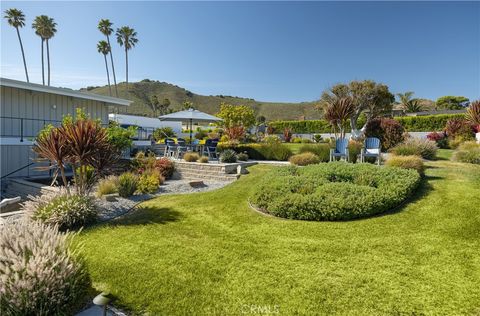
x,y
275,151
426,123
333,191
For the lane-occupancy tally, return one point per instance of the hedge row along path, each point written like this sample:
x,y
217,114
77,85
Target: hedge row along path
x,y
211,254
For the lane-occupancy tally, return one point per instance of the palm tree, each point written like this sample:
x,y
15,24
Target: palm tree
x,y
45,28
105,26
104,48
414,106
126,37
16,18
404,98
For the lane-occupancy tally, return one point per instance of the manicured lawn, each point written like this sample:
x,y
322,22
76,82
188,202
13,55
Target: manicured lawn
x,y
209,253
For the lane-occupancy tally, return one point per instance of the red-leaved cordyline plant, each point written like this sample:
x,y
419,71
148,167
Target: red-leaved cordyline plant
x,y
53,146
338,112
473,114
81,144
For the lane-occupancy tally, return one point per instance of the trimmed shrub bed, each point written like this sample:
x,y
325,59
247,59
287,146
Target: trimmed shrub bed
x,y
333,191
271,151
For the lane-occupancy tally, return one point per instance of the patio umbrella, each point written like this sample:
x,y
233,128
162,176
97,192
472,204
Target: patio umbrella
x,y
191,116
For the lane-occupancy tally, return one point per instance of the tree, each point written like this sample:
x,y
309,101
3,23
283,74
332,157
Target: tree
x,y
103,48
16,18
368,97
105,26
187,105
414,106
236,115
126,37
45,27
452,102
408,103
154,104
164,106
338,112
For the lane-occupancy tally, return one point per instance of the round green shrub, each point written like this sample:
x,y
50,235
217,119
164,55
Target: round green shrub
x,y
333,191
41,273
304,159
228,156
127,184
67,211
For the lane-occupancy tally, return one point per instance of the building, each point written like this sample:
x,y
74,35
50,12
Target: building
x,y
26,108
145,125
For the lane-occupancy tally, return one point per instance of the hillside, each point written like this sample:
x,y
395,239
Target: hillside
x,y
141,92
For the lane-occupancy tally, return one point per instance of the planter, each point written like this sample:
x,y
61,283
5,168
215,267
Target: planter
x,y
477,137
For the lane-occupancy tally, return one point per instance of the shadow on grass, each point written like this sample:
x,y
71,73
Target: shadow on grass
x,y
148,215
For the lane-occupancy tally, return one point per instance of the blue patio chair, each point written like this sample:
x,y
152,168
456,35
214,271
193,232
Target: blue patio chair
x,y
371,148
171,148
210,148
182,147
340,150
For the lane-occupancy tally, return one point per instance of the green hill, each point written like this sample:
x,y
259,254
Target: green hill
x,y
141,92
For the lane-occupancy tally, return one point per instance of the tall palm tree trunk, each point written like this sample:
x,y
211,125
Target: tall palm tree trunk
x,y
23,54
108,75
126,65
48,63
113,68
43,65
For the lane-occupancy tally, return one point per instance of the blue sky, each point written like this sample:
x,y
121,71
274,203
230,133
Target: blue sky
x,y
270,51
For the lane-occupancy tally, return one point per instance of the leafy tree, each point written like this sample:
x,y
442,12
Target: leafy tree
x,y
261,119
103,48
16,18
452,102
236,115
154,104
105,27
187,105
126,37
369,97
164,105
163,132
120,138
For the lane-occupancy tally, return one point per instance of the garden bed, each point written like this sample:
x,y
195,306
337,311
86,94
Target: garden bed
x,y
333,191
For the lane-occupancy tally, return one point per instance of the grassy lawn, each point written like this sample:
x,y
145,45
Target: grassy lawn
x,y
209,253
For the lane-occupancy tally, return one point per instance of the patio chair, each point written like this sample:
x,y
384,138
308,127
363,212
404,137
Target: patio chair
x,y
340,150
371,148
182,147
210,148
170,148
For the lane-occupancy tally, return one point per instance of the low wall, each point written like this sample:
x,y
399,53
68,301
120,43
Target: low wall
x,y
328,135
